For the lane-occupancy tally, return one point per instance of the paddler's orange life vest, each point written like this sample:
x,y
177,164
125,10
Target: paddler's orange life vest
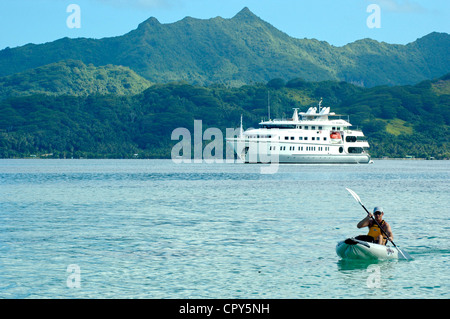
x,y
374,230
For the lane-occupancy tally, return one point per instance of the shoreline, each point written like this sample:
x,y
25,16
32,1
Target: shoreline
x,y
164,158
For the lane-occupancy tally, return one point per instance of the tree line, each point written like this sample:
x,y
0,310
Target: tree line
x,y
399,121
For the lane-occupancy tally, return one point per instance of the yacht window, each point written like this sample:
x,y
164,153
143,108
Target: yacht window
x,y
320,127
306,127
355,150
306,138
292,138
286,137
313,138
313,127
300,138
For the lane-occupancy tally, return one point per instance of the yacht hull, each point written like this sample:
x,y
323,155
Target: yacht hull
x,y
253,154
325,159
310,159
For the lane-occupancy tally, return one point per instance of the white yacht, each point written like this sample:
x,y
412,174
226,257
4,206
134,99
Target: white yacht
x,y
314,136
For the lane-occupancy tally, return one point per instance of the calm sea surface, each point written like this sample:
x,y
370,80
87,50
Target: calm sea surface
x,y
156,229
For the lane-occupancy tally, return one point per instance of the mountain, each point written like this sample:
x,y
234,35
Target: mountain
x,y
241,50
73,78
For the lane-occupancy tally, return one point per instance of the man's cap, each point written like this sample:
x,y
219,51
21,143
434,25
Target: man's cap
x,y
378,209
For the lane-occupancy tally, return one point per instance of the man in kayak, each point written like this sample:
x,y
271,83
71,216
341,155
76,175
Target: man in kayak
x,y
374,230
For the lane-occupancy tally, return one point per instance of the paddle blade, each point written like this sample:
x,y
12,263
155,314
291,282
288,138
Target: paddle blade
x,y
355,196
403,254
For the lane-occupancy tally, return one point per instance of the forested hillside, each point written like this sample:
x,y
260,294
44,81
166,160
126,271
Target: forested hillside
x,y
399,121
242,50
73,78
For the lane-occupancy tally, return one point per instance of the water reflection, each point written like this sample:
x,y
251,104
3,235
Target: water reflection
x,y
356,264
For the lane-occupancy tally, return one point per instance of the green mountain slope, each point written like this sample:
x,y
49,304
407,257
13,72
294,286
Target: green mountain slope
x,y
73,78
398,121
241,50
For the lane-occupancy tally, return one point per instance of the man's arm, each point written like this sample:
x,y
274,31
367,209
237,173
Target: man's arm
x,y
389,232
365,222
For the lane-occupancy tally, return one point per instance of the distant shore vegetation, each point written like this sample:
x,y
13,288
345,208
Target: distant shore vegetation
x,y
408,121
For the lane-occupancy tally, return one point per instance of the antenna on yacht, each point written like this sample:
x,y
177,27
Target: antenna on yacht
x,y
295,116
241,130
320,104
268,104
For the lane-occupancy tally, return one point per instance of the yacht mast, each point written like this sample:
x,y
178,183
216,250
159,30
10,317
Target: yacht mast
x,y
241,130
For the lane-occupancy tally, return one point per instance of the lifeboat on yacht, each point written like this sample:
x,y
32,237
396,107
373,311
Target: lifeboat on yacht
x,y
335,137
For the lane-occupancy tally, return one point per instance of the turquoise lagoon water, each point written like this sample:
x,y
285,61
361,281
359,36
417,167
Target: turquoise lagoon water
x,y
156,229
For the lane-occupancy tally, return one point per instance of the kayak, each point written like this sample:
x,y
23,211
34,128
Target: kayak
x,y
360,247
353,248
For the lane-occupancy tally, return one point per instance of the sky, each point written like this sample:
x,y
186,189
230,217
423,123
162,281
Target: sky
x,y
337,22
